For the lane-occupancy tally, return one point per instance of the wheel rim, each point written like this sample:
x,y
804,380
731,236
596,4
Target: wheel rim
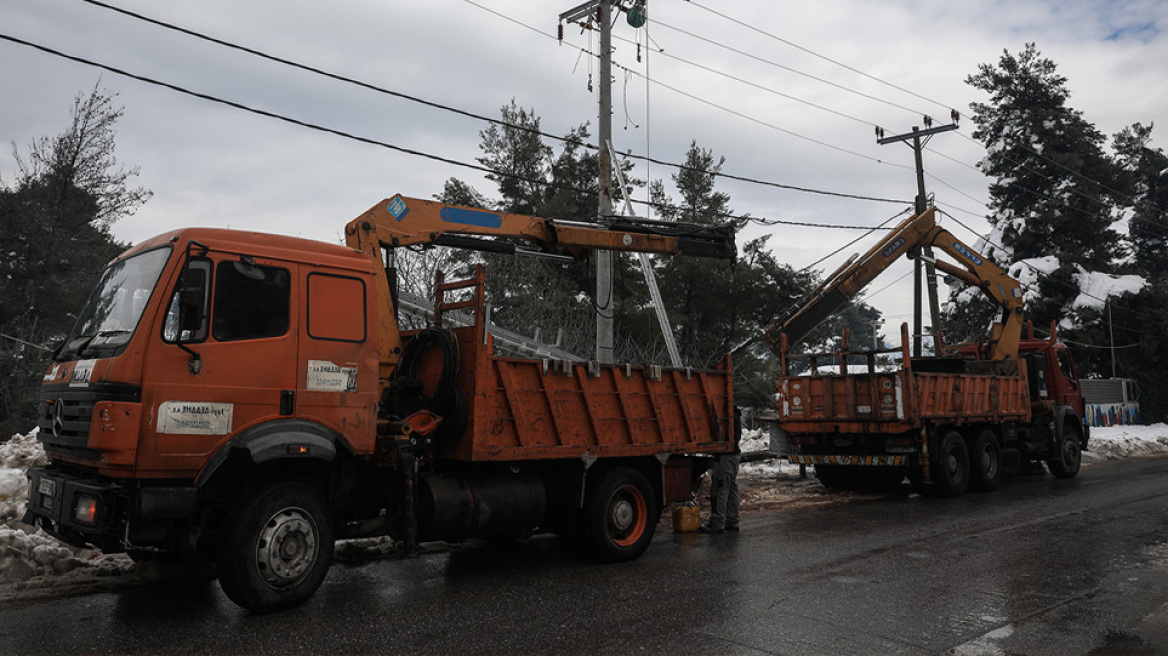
x,y
989,462
953,463
954,467
626,515
287,547
1070,451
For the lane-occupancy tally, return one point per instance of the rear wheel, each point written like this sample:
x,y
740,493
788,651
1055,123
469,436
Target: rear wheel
x,y
951,477
1068,456
276,549
985,459
621,515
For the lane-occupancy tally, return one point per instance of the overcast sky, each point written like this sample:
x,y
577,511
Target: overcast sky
x,y
759,83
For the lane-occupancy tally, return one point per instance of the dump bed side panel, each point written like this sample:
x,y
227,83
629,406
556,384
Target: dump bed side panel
x,y
898,401
961,398
523,409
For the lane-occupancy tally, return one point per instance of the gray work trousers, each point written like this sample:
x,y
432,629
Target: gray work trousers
x,y
724,498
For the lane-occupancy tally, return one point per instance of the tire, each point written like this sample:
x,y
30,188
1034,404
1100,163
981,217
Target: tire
x,y
985,462
1068,458
951,475
621,516
276,548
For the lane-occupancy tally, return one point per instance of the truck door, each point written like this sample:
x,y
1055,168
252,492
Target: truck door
x,y
232,364
337,377
1066,381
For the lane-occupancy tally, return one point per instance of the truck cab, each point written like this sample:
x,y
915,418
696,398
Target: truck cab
x,y
191,340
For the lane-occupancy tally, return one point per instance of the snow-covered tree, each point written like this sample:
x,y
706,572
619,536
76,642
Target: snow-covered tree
x,y
1145,171
1053,192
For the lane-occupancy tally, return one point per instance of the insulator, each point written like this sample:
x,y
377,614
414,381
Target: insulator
x,y
953,114
560,32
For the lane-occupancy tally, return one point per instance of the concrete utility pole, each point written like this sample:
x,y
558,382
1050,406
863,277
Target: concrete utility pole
x,y
921,204
605,308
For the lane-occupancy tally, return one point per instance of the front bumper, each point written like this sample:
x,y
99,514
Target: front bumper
x,y
111,515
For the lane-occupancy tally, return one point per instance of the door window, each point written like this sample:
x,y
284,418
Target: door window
x,y
251,301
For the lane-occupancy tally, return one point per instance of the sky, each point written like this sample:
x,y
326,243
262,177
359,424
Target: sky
x,y
787,92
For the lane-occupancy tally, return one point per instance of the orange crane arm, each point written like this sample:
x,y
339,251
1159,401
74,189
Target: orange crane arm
x,y
401,221
910,238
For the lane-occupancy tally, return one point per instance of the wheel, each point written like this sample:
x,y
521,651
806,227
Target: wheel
x,y
621,515
276,548
985,459
951,477
1067,459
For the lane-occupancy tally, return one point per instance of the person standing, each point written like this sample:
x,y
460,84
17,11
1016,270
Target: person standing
x,y
724,498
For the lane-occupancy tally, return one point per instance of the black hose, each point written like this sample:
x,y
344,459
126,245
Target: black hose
x,y
447,401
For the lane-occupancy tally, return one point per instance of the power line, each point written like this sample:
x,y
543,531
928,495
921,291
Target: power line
x,y
785,68
374,142
699,99
816,54
455,110
1073,172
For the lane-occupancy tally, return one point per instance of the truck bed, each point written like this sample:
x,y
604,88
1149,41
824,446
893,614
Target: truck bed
x,y
538,409
898,401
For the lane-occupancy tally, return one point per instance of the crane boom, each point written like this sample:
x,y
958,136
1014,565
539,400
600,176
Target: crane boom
x,y
910,239
401,221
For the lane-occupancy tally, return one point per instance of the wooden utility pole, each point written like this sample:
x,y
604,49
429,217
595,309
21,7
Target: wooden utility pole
x,y
920,205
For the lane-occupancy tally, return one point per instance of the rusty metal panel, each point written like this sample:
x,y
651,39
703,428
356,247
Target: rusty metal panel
x,y
965,398
534,409
895,402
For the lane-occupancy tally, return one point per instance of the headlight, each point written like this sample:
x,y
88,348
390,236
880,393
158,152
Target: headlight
x,y
86,510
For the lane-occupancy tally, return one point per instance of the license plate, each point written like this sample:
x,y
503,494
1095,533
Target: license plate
x,y
47,487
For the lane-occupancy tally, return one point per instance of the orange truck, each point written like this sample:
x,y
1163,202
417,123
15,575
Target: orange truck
x,y
949,422
247,399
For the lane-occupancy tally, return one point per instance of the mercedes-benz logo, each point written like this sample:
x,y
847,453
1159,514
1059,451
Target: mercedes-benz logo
x,y
58,417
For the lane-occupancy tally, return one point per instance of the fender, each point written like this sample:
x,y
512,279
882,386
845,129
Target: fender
x,y
1061,414
273,440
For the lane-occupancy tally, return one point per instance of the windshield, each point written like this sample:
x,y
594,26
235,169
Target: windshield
x,y
112,312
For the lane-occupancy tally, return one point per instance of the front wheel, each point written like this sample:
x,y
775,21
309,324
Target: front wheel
x,y
621,516
1068,456
276,548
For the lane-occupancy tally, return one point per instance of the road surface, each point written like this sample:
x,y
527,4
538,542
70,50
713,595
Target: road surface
x,y
1043,566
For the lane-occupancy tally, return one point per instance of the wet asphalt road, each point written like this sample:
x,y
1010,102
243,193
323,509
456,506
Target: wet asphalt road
x,y
1041,567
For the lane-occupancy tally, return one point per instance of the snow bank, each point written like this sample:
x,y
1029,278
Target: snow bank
x,y
27,555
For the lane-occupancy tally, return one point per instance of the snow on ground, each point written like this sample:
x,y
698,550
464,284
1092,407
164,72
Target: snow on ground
x,y
31,560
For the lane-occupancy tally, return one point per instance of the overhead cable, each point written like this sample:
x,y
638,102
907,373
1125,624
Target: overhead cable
x,y
455,110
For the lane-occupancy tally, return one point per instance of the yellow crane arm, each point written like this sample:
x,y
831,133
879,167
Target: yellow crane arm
x,y
911,238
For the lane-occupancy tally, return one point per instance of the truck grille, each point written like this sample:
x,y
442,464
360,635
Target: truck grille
x,y
66,412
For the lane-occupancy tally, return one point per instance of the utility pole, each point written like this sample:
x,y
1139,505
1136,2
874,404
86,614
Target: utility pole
x,y
920,205
605,308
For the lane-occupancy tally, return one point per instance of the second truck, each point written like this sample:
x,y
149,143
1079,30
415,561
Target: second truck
x,y
949,422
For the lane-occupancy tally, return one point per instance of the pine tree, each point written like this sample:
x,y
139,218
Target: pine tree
x,y
1145,171
1052,190
55,239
